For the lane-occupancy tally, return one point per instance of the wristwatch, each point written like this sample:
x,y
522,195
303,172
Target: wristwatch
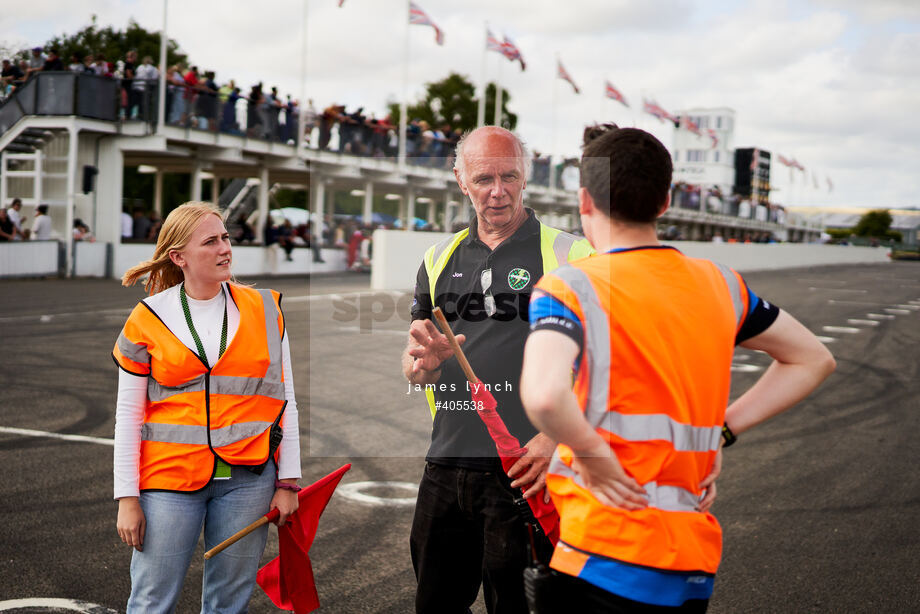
x,y
286,486
727,436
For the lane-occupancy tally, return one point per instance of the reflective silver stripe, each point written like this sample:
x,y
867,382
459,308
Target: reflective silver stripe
x,y
175,433
247,386
645,427
734,288
237,432
273,335
668,498
158,392
439,249
562,245
133,351
597,342
198,435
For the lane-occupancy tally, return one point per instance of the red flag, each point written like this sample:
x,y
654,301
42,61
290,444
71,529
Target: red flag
x,y
712,135
510,51
288,578
493,44
657,110
341,2
562,73
614,93
509,450
690,125
418,17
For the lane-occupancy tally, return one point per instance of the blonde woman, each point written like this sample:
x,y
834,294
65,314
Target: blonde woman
x,y
206,433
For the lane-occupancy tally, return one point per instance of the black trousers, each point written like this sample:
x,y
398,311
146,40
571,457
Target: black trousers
x,y
467,532
558,593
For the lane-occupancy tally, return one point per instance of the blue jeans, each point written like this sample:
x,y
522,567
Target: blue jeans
x,y
174,523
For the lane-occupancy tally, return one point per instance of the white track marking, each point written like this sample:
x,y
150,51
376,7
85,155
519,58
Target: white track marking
x,y
836,302
825,339
354,492
30,433
859,322
743,368
812,288
900,312
880,316
821,281
841,329
60,604
910,306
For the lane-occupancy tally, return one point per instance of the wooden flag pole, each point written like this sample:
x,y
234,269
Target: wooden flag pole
x,y
236,537
461,357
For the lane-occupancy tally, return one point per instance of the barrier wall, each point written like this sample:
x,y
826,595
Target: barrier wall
x,y
398,254
29,258
89,259
248,260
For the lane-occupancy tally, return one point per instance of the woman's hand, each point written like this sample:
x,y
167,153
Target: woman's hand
x,y
286,501
131,523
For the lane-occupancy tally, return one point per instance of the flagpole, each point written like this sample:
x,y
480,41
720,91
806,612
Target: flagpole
x,y
403,106
552,151
301,140
498,96
481,109
161,99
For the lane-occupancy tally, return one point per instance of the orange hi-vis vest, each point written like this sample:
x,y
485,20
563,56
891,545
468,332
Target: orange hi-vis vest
x,y
659,335
196,414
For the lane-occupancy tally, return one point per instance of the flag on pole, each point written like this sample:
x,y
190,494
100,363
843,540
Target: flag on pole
x,y
653,108
418,17
712,135
614,93
341,2
493,44
562,73
830,184
814,179
783,160
510,51
796,165
690,125
288,578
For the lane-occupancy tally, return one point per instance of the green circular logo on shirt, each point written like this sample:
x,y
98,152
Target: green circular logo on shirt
x,y
518,278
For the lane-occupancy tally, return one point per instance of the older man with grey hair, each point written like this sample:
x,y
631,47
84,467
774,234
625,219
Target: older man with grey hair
x,y
467,530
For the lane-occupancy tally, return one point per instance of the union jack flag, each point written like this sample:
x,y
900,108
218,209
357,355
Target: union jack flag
x,y
493,44
510,51
653,108
690,125
796,165
341,2
784,160
713,136
562,73
614,93
418,17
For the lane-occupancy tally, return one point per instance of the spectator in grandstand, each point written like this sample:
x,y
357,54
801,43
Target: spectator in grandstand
x,y
310,119
175,94
156,222
53,63
228,121
88,64
291,117
254,125
286,238
36,61
81,231
7,230
15,216
129,94
207,102
328,119
191,93
144,81
76,63
140,229
41,226
10,73
102,67
127,225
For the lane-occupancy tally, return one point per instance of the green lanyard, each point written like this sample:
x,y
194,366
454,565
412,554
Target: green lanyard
x,y
191,326
221,469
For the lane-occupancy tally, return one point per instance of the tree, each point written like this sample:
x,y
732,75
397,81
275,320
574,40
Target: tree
x,y
874,223
115,43
453,101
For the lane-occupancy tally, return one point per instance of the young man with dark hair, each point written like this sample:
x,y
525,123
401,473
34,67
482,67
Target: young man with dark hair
x,y
650,335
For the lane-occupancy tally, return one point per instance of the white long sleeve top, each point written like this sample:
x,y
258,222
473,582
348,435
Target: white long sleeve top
x,y
132,389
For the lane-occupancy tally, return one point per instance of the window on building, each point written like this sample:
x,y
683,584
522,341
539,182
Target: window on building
x,y
718,122
716,156
676,155
696,155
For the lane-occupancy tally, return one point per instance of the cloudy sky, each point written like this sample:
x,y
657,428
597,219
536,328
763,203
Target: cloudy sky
x,y
834,83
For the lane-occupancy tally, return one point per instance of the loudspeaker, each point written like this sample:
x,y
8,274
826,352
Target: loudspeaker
x,y
89,178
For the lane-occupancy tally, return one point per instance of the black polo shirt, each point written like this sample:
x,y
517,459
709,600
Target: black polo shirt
x,y
494,345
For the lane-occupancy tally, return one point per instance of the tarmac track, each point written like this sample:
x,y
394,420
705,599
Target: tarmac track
x,y
820,507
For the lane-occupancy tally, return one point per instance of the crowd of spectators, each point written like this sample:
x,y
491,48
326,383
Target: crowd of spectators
x,y
12,223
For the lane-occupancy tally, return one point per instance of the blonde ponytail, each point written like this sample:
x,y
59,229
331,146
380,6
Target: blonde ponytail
x,y
161,271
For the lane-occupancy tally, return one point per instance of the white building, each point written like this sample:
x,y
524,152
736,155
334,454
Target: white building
x,y
702,160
